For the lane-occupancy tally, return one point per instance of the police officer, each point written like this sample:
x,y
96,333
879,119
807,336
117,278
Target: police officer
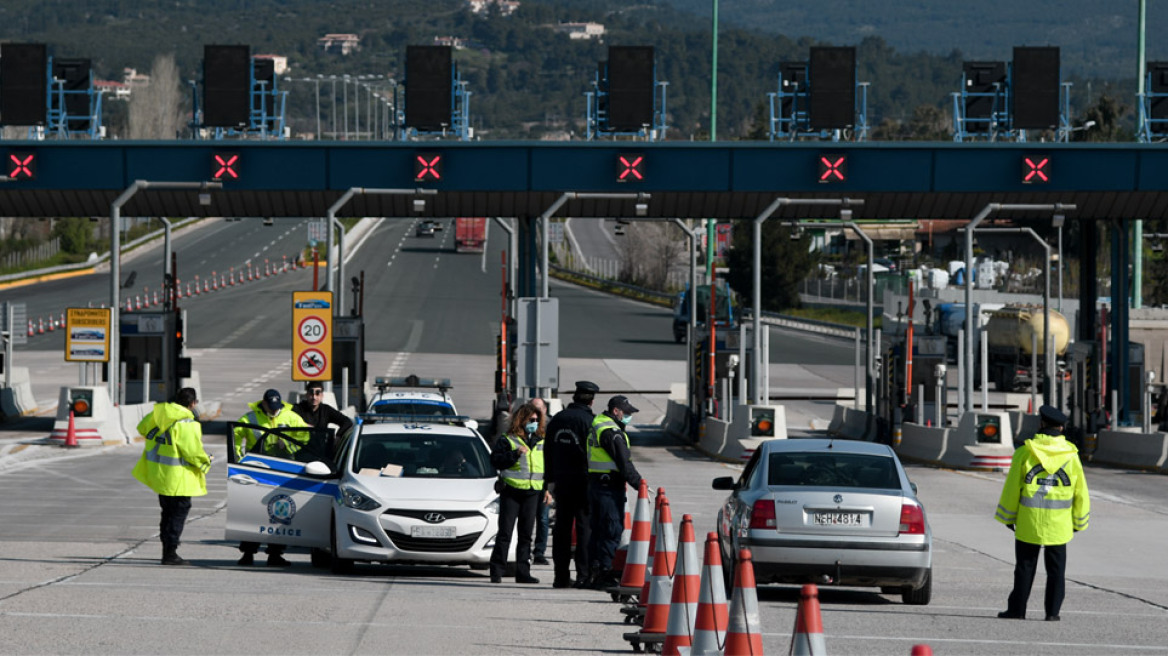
x,y
518,456
173,464
566,458
542,514
1045,502
269,412
318,414
609,470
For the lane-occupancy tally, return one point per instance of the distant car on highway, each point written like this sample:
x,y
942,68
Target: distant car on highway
x,y
824,511
425,229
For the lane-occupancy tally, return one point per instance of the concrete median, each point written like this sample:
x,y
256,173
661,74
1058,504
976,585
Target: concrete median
x,y
1147,451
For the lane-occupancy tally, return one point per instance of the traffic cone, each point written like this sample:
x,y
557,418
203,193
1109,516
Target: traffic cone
x,y
637,555
231,276
808,637
710,623
622,550
661,579
249,274
156,299
71,434
687,581
1030,406
643,596
129,305
31,331
40,325
52,323
743,633
921,650
62,321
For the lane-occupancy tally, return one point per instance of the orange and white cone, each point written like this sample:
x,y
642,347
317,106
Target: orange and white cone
x,y
808,637
743,633
921,650
643,597
633,574
710,623
687,579
661,580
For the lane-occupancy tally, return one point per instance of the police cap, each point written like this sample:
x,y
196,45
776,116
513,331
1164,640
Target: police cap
x,y
1052,415
587,386
622,402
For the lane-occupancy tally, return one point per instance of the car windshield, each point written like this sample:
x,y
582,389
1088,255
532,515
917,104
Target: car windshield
x,y
415,455
413,407
833,470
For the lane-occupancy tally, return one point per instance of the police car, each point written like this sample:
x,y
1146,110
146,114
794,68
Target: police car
x,y
397,489
414,396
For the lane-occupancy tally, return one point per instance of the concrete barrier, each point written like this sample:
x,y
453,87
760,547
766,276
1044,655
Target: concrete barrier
x,y
17,399
926,444
852,424
1132,449
104,427
676,419
837,420
732,441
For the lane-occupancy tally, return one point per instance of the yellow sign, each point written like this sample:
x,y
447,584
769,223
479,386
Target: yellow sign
x,y
312,336
87,334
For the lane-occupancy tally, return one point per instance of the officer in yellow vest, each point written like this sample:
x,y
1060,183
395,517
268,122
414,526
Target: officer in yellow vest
x,y
269,412
1045,502
518,455
610,469
173,464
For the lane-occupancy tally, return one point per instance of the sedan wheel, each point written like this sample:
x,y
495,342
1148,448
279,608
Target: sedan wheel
x,y
920,596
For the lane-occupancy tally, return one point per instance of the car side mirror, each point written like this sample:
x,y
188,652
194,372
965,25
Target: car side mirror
x,y
724,483
913,486
318,469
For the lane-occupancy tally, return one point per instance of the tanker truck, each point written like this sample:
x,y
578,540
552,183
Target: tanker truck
x,y
1010,335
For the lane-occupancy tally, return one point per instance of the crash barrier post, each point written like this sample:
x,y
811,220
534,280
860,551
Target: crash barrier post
x,y
686,586
710,622
743,633
808,637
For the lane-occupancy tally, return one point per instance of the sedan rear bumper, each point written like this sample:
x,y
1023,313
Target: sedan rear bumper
x,y
865,563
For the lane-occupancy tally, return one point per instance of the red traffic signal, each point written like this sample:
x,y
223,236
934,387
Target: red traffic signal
x,y
630,168
21,166
427,167
1035,169
225,167
833,167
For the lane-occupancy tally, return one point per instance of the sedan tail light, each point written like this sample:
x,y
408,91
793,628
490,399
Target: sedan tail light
x,y
762,515
912,519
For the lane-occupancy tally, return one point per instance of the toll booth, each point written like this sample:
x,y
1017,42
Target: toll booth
x,y
349,354
151,348
1086,390
729,358
899,397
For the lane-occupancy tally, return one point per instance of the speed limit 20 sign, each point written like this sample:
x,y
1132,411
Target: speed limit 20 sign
x,y
312,336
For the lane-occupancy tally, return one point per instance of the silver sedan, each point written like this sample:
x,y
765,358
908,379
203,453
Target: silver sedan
x,y
832,512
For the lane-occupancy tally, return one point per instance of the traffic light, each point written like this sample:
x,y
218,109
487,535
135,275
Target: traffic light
x,y
81,402
182,366
225,167
833,167
762,422
989,429
427,167
1035,169
20,165
630,167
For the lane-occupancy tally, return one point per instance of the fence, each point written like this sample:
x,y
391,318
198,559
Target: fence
x,y
618,270
852,289
30,256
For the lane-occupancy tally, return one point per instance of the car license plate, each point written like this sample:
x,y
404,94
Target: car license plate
x,y
433,532
838,519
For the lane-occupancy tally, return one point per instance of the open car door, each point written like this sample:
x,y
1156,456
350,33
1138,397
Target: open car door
x,y
280,485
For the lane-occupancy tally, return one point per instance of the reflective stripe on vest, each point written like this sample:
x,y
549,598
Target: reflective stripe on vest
x,y
527,472
599,461
161,439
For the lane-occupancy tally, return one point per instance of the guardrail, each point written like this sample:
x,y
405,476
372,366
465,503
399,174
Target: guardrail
x,y
649,295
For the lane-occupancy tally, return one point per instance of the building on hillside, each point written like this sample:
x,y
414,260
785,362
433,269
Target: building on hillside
x,y
505,7
341,44
113,90
455,42
577,31
135,80
279,62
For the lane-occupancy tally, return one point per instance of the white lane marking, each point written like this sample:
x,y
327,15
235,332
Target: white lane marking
x,y
415,335
239,331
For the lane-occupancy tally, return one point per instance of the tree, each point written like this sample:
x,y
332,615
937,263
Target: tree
x,y
785,262
76,234
1107,113
156,110
648,251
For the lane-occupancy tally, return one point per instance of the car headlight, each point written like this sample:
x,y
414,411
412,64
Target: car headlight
x,y
493,507
353,498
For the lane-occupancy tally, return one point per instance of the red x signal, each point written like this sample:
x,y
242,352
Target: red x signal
x,y
1035,170
21,166
224,166
630,168
427,167
833,168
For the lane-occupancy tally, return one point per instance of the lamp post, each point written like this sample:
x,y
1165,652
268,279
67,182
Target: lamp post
x,y
969,331
113,381
333,222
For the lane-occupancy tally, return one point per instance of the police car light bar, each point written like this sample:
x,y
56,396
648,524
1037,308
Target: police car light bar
x,y
412,381
375,418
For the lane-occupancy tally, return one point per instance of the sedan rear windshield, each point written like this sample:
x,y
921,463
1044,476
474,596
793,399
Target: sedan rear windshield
x,y
833,470
411,455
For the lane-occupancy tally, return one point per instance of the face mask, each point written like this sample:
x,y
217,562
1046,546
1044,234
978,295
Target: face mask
x,y
532,426
626,419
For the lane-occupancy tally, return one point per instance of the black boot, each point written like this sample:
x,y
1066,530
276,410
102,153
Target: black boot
x,y
171,557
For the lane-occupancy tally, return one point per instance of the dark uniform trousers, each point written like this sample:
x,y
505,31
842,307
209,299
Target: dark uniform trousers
x,y
174,517
515,506
1054,557
571,509
608,522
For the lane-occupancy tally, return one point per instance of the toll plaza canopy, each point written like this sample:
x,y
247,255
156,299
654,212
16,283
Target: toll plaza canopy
x,y
728,180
